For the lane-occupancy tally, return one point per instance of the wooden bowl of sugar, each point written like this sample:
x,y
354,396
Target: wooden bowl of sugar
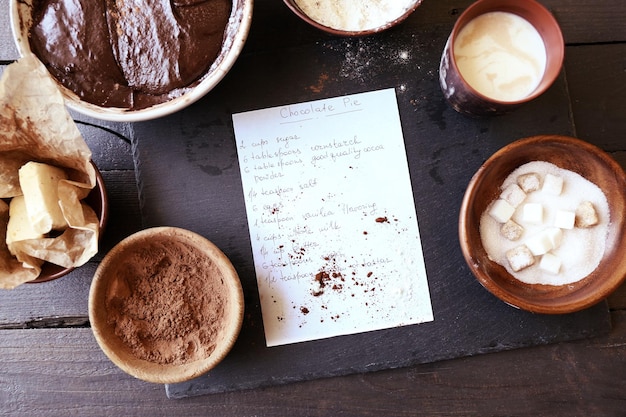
x,y
542,224
166,305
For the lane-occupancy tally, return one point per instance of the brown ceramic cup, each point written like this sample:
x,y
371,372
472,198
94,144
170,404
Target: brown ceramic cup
x,y
466,99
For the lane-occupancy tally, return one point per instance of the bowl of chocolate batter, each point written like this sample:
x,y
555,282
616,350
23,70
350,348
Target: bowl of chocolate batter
x,y
166,305
115,61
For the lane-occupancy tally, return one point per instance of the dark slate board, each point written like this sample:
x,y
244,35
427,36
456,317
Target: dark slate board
x,y
188,176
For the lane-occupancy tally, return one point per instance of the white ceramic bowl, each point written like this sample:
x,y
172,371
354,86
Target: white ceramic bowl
x,y
234,40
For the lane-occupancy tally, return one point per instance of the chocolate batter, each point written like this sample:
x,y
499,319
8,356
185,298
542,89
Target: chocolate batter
x,y
128,53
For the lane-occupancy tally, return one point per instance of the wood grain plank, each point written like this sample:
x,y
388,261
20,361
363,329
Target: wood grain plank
x,y
589,21
66,296
596,76
57,372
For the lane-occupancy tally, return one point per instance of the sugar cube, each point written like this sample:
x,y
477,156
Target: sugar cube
x,y
529,182
532,213
501,210
555,235
564,219
513,195
544,241
539,244
586,215
552,184
550,263
512,230
519,258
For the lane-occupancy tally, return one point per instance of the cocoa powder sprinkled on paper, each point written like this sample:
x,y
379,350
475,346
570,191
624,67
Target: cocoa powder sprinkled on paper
x,y
166,302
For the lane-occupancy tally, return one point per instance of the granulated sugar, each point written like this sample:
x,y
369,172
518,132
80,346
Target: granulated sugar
x,y
354,15
581,249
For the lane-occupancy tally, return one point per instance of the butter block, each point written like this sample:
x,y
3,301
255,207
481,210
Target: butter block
x,y
532,213
529,182
520,257
552,184
19,226
39,183
564,219
586,215
513,195
501,211
550,263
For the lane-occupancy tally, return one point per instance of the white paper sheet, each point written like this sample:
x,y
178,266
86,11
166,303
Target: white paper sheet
x,y
332,219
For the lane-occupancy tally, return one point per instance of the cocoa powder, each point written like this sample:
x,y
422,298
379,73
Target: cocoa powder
x,y
167,302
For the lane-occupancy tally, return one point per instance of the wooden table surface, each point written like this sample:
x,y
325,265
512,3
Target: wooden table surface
x,y
51,364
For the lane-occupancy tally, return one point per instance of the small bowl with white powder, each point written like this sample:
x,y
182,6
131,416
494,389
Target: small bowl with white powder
x,y
353,17
542,224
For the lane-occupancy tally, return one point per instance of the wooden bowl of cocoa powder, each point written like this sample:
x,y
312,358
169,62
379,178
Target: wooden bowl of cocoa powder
x,y
166,305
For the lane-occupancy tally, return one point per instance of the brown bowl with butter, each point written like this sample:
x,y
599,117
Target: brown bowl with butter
x,y
114,62
542,224
98,200
166,305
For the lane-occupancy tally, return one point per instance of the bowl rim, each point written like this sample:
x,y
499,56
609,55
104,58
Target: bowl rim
x,y
291,4
490,284
166,374
239,16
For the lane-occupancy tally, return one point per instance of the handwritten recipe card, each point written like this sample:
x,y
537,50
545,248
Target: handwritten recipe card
x,y
332,220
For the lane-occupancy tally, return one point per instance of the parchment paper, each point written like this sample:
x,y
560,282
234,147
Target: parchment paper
x,y
36,126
